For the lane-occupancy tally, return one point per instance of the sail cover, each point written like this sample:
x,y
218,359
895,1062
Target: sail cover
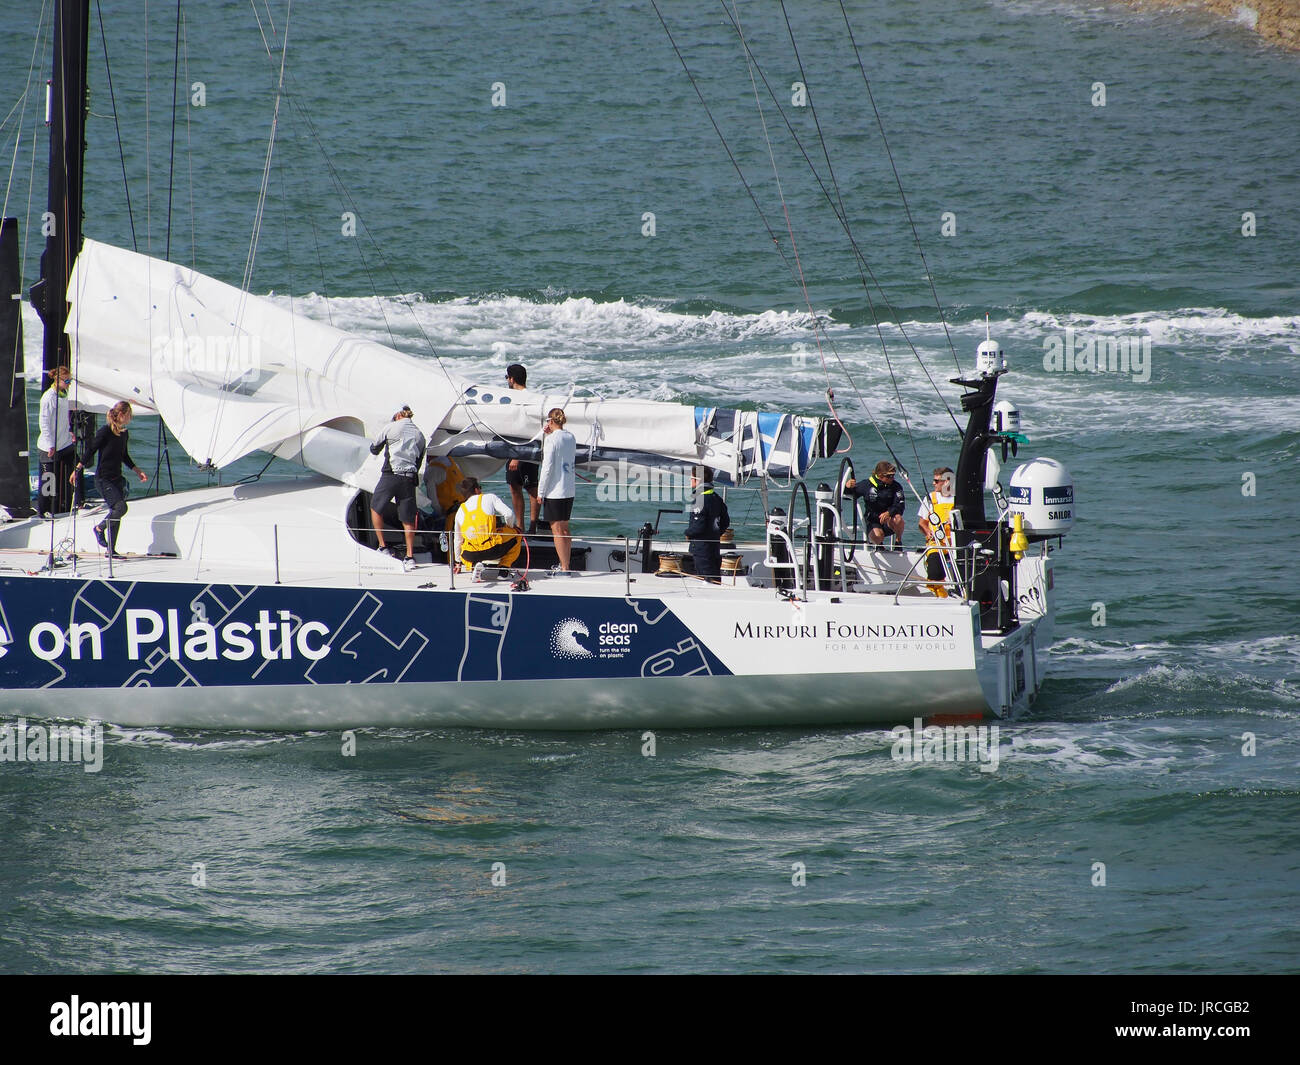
x,y
231,373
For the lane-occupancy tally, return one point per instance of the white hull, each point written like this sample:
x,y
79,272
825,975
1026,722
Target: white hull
x,y
352,641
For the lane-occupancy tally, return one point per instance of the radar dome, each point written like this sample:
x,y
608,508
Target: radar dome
x,y
1042,491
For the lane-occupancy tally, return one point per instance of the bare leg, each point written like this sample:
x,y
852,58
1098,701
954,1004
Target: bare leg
x,y
379,528
563,541
410,539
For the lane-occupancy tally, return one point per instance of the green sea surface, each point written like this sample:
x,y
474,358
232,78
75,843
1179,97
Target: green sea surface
x,y
1074,171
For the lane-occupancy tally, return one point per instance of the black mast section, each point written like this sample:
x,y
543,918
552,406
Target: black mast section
x,y
969,489
15,495
67,153
991,561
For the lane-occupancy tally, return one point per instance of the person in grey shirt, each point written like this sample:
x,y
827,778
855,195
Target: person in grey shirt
x,y
403,446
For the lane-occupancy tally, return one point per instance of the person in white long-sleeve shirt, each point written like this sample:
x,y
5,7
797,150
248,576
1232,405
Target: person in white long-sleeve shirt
x,y
556,484
57,446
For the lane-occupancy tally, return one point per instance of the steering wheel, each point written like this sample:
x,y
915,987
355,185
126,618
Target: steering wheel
x,y
846,475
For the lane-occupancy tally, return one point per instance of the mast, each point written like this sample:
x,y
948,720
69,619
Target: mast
x,y
15,495
67,121
997,613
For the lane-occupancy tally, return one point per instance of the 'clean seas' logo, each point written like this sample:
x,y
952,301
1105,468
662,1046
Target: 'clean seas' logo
x,y
564,639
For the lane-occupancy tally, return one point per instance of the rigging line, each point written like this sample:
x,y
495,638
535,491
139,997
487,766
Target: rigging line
x,y
22,100
163,450
351,203
293,333
296,107
776,242
899,181
794,247
860,257
117,126
889,365
270,18
27,223
183,44
148,187
776,176
64,212
863,265
341,188
320,262
41,42
726,147
18,129
347,198
843,216
829,391
189,152
171,159
266,168
260,211
258,219
301,110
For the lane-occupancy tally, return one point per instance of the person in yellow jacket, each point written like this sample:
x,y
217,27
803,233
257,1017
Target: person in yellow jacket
x,y
480,535
442,479
938,533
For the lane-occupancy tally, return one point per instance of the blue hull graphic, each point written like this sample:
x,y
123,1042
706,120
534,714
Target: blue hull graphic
x,y
96,634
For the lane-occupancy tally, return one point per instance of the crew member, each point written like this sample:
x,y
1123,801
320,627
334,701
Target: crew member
x,y
57,447
709,520
884,503
557,484
403,446
110,444
480,535
522,476
936,523
442,478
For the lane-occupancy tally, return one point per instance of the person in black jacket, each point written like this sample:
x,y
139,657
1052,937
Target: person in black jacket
x,y
884,503
709,520
111,443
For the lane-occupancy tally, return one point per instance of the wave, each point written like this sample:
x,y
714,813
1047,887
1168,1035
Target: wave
x,y
699,352
504,324
1261,650
190,740
1200,325
1180,691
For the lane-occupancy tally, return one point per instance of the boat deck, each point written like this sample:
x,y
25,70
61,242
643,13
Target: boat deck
x,y
295,534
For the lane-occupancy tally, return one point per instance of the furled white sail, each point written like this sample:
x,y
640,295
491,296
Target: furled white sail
x,y
230,374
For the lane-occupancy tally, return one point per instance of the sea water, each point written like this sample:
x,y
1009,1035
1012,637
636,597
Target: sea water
x,y
538,182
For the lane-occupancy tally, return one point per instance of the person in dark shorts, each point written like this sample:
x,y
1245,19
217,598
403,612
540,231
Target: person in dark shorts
x,y
884,503
110,444
522,476
709,520
403,446
557,483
